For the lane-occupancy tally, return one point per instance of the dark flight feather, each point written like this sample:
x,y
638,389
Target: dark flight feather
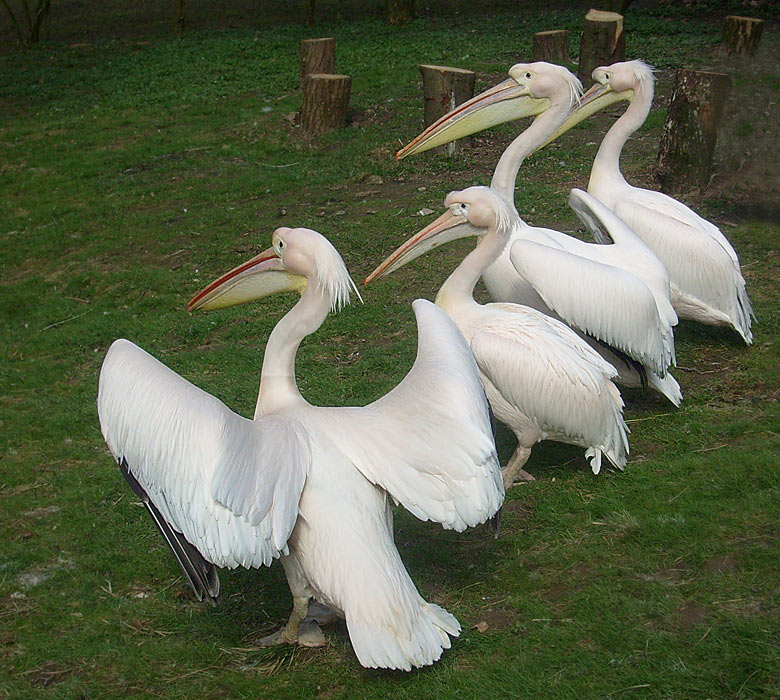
x,y
201,574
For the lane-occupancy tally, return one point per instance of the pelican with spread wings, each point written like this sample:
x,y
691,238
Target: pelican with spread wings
x,y
310,485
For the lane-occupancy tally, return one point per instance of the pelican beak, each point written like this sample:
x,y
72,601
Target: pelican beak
x,y
594,100
258,277
502,103
448,227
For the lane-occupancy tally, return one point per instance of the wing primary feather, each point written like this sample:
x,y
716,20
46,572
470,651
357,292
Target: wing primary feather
x,y
630,362
495,522
201,574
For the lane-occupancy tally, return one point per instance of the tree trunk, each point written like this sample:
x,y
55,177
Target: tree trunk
x,y
325,102
400,11
552,46
741,35
317,56
179,18
41,12
619,6
603,42
691,129
444,89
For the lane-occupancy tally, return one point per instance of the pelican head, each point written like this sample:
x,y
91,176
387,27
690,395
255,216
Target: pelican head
x,y
528,92
470,212
548,80
297,257
620,81
624,76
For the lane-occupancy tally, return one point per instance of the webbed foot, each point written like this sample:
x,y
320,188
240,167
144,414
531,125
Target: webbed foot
x,y
310,635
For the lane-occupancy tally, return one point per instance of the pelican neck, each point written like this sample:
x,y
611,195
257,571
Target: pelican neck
x,y
278,387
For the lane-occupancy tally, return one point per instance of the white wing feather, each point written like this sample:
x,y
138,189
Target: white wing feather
x,y
428,442
674,209
701,262
578,290
553,377
229,484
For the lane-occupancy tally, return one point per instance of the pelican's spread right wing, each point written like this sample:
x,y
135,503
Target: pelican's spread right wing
x,y
230,485
604,301
428,442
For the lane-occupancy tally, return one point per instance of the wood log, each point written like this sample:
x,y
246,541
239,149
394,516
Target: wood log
x,y
317,56
603,42
552,46
325,102
691,129
741,35
444,88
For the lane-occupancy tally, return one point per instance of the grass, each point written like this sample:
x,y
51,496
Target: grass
x,y
133,172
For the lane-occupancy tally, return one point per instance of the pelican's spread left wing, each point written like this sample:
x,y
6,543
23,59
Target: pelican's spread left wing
x,y
428,442
229,485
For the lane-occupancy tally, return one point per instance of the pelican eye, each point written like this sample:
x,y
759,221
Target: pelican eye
x,y
606,76
460,208
527,75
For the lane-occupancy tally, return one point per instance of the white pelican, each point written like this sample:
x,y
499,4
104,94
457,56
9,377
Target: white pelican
x,y
541,379
618,294
706,280
310,485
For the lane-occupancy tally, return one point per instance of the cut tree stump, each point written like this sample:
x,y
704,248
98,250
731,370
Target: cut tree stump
x,y
691,129
741,35
325,102
602,43
444,88
552,46
317,56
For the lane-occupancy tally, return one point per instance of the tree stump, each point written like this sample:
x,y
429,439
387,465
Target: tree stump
x,y
552,46
444,89
325,102
317,56
603,42
690,130
741,35
400,12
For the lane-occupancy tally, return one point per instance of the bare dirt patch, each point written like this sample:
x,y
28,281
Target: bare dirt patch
x,y
722,564
495,621
692,614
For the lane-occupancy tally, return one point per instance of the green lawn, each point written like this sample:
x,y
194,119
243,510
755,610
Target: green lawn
x,y
133,172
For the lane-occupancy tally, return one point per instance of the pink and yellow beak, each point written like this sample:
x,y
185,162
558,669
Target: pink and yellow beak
x,y
448,227
598,97
504,102
258,277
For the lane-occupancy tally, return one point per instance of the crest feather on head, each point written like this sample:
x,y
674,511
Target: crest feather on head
x,y
643,72
332,275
